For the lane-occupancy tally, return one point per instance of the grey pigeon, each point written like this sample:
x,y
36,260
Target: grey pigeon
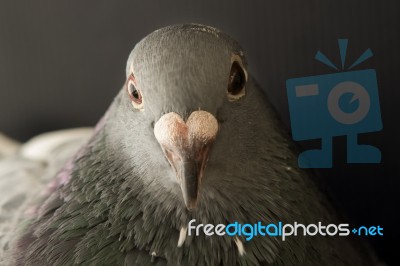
x,y
189,136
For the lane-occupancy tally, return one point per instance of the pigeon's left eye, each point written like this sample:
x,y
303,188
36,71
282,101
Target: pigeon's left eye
x,y
134,93
236,82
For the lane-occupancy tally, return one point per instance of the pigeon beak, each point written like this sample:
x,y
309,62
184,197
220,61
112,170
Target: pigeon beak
x,y
186,147
189,172
189,176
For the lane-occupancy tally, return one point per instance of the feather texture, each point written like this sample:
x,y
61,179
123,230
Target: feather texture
x,y
28,172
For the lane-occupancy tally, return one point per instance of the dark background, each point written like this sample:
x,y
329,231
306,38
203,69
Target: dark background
x,y
62,62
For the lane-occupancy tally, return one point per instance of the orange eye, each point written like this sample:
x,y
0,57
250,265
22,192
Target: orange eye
x,y
134,93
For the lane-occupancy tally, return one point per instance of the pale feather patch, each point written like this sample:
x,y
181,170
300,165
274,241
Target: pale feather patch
x,y
240,246
153,256
27,173
130,69
7,146
182,236
205,28
40,147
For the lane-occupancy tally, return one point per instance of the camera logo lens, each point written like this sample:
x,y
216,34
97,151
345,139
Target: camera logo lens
x,y
359,93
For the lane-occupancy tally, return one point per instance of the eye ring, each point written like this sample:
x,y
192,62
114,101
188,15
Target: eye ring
x,y
237,81
134,93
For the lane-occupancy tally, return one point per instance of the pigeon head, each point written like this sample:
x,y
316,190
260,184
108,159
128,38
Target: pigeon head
x,y
182,83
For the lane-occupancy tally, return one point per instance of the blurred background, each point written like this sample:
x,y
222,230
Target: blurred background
x,y
62,62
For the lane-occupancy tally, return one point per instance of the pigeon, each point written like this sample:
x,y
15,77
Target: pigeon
x,y
191,136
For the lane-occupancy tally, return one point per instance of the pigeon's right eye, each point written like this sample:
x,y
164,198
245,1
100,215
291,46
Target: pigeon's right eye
x,y
236,82
134,93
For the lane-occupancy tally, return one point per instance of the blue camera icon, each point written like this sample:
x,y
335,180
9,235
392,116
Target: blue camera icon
x,y
324,106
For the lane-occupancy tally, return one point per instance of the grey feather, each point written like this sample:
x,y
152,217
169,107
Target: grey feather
x,y
123,204
28,173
